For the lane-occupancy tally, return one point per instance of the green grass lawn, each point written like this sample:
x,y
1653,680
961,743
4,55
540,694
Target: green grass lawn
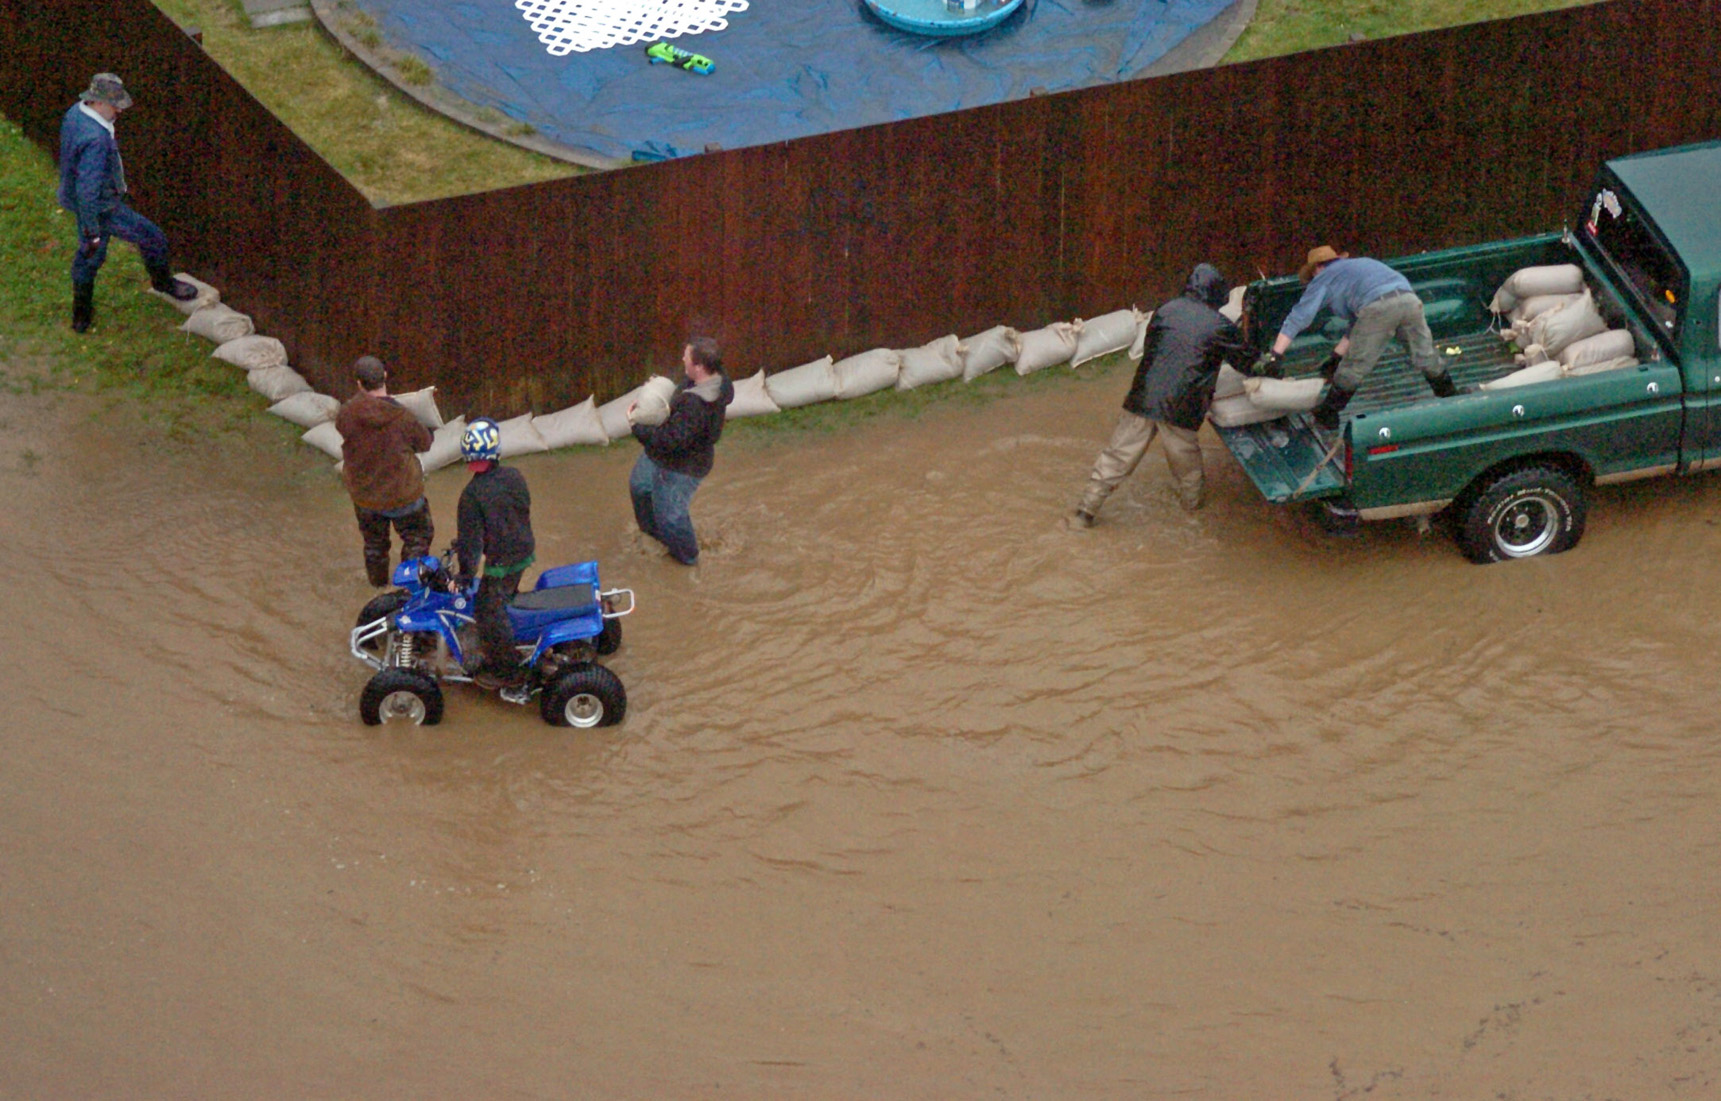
x,y
1292,26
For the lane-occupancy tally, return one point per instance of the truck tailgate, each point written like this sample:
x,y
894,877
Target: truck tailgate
x,y
1288,459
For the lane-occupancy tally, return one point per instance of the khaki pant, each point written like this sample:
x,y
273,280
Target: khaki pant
x,y
1129,442
1396,315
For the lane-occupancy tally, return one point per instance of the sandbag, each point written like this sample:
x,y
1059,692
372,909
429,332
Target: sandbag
x,y
939,361
1237,410
1531,308
752,399
1102,335
252,352
577,424
1541,372
1230,382
990,350
218,323
306,408
422,405
444,446
1232,310
803,385
1599,366
867,373
325,438
613,414
1046,347
1612,344
1284,395
1530,282
1138,347
206,295
1531,356
653,401
1559,328
276,383
519,437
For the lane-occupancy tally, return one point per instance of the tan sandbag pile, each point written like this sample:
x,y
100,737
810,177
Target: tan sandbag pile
x,y
987,351
1102,335
1546,371
1564,325
752,399
574,426
867,373
1047,347
252,352
218,324
276,383
422,405
613,414
804,385
306,408
206,295
938,361
444,446
1530,282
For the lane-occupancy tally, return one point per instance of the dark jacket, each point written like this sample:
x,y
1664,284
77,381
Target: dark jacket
x,y
92,179
1185,343
378,441
495,519
686,442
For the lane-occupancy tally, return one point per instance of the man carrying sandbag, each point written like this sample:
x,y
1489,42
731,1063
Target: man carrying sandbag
x,y
1185,343
1377,303
379,445
679,453
92,186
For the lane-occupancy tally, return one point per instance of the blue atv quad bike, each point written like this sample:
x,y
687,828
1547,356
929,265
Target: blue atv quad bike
x,y
423,635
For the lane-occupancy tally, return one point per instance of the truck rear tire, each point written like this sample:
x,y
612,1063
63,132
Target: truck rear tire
x,y
1523,513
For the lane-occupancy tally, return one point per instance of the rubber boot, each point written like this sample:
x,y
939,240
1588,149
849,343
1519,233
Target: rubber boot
x,y
83,306
1331,405
1443,387
161,278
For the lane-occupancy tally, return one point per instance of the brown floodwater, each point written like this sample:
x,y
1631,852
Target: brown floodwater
x,y
919,794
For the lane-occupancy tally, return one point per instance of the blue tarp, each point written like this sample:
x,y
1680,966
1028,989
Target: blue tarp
x,y
784,69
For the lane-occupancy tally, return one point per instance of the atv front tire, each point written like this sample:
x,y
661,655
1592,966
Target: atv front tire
x,y
403,696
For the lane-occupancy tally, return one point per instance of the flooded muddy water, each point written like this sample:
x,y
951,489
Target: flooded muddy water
x,y
919,794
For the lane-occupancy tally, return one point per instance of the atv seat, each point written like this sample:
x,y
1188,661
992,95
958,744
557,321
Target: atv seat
x,y
560,598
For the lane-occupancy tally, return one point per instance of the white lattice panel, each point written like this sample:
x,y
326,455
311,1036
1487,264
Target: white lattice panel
x,y
575,26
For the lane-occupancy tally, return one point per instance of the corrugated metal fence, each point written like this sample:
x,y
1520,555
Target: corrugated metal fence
x,y
1022,213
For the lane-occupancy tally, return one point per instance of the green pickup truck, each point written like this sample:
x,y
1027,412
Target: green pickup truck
x,y
1510,469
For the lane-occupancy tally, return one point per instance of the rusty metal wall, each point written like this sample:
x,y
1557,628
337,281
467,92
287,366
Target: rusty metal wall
x,y
1022,213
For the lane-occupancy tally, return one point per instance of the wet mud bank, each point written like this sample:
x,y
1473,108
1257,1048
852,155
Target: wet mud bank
x,y
919,794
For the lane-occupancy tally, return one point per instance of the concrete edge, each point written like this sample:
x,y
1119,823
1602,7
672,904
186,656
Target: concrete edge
x,y
1207,45
436,98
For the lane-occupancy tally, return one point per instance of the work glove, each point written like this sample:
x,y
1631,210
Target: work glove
x,y
1330,366
1270,365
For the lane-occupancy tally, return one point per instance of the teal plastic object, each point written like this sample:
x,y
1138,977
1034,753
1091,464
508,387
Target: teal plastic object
x,y
674,55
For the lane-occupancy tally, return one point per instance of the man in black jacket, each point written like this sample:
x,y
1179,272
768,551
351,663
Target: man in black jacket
x,y
495,517
679,452
1186,342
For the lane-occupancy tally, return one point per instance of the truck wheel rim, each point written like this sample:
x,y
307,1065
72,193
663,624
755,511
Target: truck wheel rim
x,y
584,710
402,706
1527,527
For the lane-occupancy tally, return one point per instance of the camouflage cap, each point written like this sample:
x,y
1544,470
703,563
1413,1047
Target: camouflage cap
x,y
107,88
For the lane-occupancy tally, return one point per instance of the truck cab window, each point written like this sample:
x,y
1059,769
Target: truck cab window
x,y
1646,265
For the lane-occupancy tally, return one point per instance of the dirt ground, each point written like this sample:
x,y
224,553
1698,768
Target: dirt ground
x,y
919,794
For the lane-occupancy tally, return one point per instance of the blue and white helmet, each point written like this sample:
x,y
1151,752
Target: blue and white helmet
x,y
482,440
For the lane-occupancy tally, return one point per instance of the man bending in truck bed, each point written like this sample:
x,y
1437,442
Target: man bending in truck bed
x,y
1378,304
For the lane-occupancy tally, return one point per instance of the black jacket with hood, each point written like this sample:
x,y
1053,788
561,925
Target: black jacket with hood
x,y
686,442
1186,342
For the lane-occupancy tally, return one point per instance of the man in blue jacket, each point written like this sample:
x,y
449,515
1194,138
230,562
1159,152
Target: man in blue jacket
x,y
680,451
92,186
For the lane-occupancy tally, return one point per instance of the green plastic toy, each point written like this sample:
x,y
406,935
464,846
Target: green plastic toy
x,y
680,58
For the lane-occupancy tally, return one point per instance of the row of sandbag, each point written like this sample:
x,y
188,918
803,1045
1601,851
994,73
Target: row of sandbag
x,y
825,379
1551,315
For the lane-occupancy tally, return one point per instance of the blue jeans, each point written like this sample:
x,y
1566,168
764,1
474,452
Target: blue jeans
x,y
128,225
660,502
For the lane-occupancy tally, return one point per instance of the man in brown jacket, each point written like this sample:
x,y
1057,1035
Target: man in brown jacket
x,y
379,441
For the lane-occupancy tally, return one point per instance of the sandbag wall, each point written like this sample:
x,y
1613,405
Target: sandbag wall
x,y
884,237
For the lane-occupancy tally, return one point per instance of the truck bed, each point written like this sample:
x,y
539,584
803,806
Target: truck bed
x,y
1281,454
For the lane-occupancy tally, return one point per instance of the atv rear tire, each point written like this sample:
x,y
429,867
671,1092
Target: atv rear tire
x,y
609,639
385,604
586,696
401,695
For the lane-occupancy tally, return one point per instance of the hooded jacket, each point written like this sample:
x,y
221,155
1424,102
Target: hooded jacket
x,y
686,442
1186,342
379,439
